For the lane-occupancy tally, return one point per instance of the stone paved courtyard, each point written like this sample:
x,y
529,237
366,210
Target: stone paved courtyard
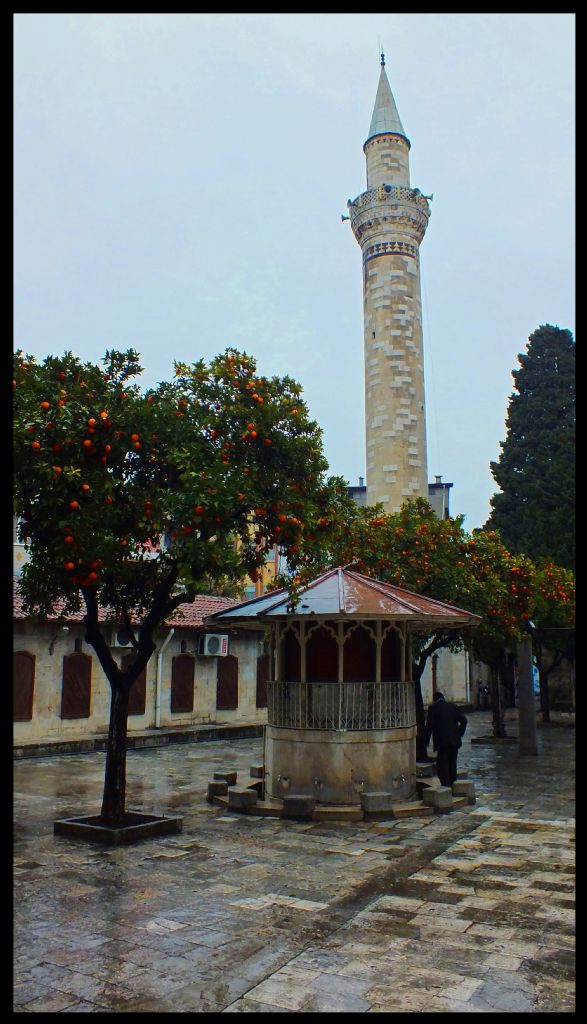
x,y
467,912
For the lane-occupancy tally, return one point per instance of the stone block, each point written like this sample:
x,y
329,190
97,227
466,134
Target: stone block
x,y
298,806
240,797
440,798
216,787
464,787
228,777
377,803
257,771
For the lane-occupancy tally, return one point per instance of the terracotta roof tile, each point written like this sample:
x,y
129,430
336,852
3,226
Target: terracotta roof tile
x,y
188,614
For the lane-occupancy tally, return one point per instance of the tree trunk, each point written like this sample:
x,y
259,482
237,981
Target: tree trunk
x,y
544,694
114,799
421,752
498,719
507,677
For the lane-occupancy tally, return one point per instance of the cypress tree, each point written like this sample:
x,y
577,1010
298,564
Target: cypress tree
x,y
535,508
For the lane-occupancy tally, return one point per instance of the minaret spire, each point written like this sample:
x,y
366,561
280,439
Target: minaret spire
x,y
386,119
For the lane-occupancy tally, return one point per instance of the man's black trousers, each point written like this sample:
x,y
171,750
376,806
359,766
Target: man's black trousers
x,y
446,765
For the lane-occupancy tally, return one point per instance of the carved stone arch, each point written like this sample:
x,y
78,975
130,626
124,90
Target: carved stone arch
x,y
391,625
289,653
392,653
322,653
313,626
360,654
366,624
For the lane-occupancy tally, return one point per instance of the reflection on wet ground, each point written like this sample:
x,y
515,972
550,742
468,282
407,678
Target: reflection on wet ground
x,y
467,912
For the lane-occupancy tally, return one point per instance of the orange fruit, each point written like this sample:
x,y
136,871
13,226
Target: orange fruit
x,y
57,470
69,566
45,405
35,444
74,504
134,437
92,422
198,509
68,539
87,443
85,487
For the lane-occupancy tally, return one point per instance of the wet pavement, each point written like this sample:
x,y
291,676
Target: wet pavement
x,y
469,912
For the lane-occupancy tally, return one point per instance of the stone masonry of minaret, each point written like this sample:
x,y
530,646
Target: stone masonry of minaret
x,y
389,220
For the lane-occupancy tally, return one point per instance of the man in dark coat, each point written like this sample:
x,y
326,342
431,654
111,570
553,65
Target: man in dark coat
x,y
446,724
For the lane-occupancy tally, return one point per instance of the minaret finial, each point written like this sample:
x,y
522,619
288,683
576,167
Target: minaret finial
x,y
382,59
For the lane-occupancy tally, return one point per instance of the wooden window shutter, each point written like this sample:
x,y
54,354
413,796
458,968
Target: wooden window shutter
x,y
227,683
24,682
262,677
77,684
182,683
137,700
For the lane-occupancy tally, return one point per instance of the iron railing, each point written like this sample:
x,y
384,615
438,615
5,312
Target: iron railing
x,y
393,193
341,706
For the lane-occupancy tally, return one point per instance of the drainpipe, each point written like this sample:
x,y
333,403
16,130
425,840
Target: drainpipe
x,y
159,679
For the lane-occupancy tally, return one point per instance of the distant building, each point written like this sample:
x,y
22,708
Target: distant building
x,y
61,695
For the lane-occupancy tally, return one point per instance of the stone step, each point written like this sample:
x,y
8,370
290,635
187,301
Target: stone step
x,y
412,809
424,769
266,808
459,802
226,776
241,797
336,812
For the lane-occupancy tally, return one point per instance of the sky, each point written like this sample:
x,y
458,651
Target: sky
x,y
180,180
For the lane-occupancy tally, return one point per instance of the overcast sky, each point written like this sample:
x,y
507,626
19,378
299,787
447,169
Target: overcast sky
x,y
180,180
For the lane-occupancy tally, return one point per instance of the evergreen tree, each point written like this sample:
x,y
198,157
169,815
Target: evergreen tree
x,y
535,509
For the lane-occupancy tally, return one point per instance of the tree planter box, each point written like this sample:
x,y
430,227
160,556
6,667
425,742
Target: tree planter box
x,y
137,826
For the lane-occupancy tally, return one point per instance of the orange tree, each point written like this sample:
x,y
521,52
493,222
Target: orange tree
x,y
553,615
132,501
501,592
412,549
416,550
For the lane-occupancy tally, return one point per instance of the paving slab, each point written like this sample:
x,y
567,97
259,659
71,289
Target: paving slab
x,y
468,912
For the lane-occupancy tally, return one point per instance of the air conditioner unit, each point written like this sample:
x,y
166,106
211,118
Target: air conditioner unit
x,y
120,637
214,645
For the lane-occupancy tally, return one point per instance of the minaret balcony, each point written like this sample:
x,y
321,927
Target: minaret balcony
x,y
389,194
389,212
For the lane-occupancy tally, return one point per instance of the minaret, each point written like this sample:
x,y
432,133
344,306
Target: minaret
x,y
389,220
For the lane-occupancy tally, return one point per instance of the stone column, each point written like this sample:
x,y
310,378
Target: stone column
x,y
389,222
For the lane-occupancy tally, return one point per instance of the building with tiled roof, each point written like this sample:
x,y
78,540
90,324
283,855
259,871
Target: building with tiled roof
x,y
197,676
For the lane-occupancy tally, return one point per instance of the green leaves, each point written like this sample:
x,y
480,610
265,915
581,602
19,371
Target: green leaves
x,y
220,462
535,508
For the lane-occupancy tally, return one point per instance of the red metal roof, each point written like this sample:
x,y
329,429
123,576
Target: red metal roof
x,y
188,614
341,592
